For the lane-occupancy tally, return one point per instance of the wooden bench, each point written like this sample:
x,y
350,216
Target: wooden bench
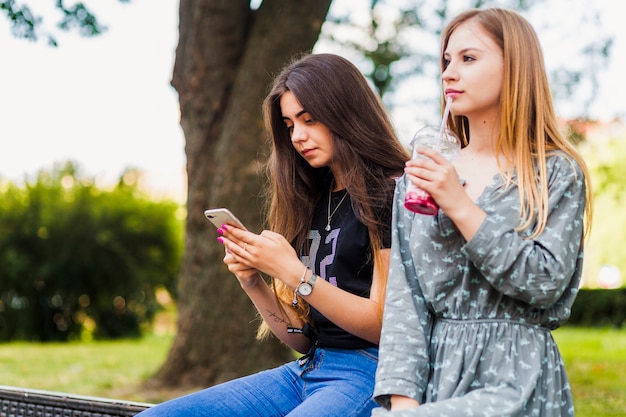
x,y
22,402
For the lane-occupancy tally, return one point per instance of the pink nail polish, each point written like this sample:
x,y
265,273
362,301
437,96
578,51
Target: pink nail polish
x,y
219,239
220,231
224,227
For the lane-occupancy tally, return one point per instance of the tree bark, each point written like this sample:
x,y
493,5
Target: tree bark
x,y
226,57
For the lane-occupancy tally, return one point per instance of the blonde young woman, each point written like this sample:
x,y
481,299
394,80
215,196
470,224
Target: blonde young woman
x,y
332,172
474,291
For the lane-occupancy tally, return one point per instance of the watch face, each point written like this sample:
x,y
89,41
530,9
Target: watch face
x,y
305,289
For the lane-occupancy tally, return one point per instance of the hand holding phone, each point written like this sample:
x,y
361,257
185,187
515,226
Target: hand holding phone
x,y
220,216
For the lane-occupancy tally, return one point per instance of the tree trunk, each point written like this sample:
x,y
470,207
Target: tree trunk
x,y
226,57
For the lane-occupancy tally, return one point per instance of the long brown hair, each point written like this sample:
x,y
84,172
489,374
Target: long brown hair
x,y
335,93
528,127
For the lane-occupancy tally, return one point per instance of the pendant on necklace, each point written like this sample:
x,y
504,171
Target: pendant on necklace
x,y
330,214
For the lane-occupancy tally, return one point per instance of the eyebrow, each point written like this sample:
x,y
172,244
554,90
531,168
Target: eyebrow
x,y
300,113
464,51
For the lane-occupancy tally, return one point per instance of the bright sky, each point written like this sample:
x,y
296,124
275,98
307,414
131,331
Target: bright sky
x,y
107,104
104,102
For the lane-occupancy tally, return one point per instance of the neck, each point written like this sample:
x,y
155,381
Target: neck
x,y
336,185
484,127
337,182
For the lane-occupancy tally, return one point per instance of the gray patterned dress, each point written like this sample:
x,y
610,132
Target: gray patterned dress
x,y
466,328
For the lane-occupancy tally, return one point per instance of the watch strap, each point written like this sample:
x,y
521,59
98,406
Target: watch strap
x,y
296,291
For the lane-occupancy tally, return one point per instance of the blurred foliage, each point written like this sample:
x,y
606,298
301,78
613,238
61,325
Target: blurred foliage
x,y
609,170
396,44
78,261
599,308
606,246
27,24
398,40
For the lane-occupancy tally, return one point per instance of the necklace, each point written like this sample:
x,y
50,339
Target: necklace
x,y
330,215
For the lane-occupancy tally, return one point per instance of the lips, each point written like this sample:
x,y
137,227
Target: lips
x,y
307,152
453,93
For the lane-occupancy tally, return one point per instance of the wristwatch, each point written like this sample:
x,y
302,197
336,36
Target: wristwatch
x,y
306,287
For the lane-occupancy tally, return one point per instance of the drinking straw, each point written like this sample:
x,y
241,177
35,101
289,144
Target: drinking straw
x,y
444,119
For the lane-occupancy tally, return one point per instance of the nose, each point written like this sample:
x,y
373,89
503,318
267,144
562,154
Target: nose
x,y
298,134
449,73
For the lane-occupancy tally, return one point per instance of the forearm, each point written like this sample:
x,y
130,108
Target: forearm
x,y
360,316
467,217
357,315
278,319
536,271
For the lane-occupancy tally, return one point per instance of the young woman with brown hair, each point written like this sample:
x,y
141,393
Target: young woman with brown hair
x,y
332,171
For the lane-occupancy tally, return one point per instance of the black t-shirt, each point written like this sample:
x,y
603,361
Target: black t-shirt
x,y
342,256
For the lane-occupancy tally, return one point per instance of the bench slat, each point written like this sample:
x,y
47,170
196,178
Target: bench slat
x,y
23,402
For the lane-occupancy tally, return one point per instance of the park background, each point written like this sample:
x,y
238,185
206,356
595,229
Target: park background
x,y
107,104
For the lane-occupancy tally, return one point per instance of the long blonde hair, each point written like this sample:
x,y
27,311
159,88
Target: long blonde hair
x,y
337,95
529,130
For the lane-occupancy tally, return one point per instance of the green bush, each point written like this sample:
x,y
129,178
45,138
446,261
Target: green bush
x,y
599,308
77,260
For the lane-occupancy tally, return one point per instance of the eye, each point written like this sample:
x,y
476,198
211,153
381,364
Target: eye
x,y
468,58
307,118
289,128
445,62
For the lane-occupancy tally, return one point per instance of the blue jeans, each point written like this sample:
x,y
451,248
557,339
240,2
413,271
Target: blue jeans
x,y
334,382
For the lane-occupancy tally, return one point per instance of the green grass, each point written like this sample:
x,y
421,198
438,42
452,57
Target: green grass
x,y
595,360
114,369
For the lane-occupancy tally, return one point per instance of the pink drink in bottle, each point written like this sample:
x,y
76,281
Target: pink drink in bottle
x,y
448,145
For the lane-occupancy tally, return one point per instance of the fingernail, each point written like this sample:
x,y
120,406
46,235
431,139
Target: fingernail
x,y
224,227
219,239
220,231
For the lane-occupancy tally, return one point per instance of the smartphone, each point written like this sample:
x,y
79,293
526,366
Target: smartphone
x,y
220,216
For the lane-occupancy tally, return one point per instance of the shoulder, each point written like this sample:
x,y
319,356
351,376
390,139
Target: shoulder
x,y
565,177
561,167
563,163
